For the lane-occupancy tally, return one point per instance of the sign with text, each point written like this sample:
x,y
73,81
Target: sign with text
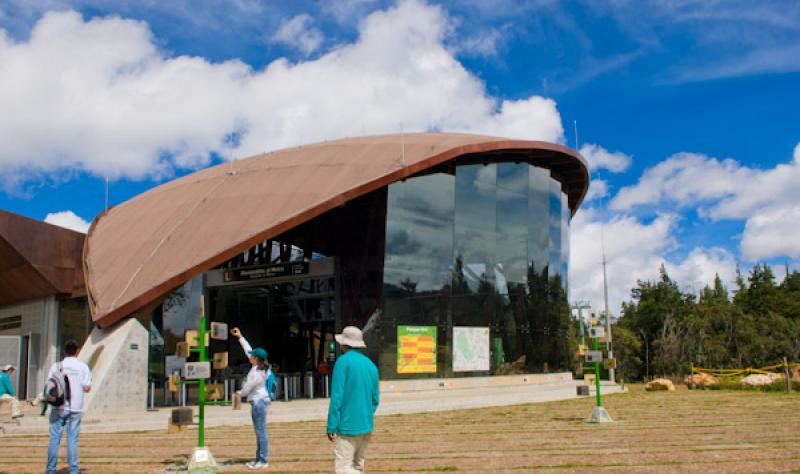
x,y
597,332
594,356
265,271
197,370
219,331
416,349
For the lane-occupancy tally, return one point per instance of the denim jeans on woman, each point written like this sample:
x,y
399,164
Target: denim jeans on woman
x,y
58,421
259,414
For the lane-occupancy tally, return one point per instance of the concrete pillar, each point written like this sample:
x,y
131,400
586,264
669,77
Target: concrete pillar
x,y
117,357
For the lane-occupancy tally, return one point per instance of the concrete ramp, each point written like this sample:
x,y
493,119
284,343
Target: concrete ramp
x,y
118,358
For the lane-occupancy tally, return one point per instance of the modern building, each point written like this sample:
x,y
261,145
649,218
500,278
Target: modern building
x,y
449,250
42,297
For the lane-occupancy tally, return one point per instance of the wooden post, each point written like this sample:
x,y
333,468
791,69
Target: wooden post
x,y
691,375
788,378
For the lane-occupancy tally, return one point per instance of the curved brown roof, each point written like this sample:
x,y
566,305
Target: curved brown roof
x,y
38,259
139,251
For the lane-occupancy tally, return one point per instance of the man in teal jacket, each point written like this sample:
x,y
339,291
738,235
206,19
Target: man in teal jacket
x,y
7,391
354,399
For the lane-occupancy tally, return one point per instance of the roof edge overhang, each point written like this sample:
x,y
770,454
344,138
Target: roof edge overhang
x,y
162,289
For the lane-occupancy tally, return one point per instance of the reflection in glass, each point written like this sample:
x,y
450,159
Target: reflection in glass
x,y
418,261
538,218
74,320
475,220
554,256
488,247
565,217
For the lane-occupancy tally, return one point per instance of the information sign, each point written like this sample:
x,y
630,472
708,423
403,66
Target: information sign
x,y
265,271
197,370
416,349
219,331
597,332
594,356
470,349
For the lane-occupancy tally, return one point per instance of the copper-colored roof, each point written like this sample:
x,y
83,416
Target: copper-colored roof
x,y
38,259
144,248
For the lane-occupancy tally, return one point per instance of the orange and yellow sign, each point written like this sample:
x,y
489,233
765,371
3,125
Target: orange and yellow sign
x,y
416,349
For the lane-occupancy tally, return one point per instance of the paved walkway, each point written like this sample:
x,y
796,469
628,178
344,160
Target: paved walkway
x,y
307,410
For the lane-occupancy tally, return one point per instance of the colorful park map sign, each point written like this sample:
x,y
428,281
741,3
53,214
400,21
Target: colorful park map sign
x,y
470,349
416,349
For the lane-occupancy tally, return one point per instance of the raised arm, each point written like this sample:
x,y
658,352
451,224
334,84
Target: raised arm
x,y
235,332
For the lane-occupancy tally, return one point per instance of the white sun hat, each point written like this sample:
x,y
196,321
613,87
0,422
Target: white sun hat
x,y
9,366
351,336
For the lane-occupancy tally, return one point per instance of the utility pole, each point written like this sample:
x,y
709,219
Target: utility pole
x,y
579,306
608,315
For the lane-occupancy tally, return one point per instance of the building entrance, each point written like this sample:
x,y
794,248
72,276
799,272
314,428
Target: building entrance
x,y
289,309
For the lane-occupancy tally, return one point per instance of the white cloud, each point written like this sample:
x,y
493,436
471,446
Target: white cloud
x,y
69,220
482,43
772,232
99,96
725,189
598,157
634,251
598,188
299,33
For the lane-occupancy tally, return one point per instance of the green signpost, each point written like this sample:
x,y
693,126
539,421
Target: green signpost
x,y
599,414
202,460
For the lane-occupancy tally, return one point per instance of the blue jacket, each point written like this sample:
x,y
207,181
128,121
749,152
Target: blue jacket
x,y
5,385
354,395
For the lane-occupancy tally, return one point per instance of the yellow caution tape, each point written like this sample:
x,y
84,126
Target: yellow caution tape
x,y
736,372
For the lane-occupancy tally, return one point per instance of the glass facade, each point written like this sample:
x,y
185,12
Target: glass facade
x,y
457,272
480,252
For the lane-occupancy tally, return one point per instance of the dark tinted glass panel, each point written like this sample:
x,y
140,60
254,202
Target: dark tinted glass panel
x,y
512,224
475,223
565,217
538,218
419,235
74,320
554,259
418,264
512,260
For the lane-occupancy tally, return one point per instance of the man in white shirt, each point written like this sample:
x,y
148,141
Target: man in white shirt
x,y
68,415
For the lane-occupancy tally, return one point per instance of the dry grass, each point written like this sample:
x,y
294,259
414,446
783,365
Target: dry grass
x,y
701,431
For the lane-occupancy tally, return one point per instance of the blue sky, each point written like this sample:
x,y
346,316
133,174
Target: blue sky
x,y
686,111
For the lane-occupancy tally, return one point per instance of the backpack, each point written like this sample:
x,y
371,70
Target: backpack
x,y
270,384
56,389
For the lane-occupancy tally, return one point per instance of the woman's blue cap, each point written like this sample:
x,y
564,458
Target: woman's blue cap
x,y
259,353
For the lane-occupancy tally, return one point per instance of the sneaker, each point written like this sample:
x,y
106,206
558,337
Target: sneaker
x,y
257,465
18,415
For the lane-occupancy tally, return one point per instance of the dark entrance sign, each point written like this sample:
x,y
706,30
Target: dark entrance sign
x,y
265,271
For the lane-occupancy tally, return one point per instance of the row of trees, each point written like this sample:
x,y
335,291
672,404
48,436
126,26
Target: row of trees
x,y
663,330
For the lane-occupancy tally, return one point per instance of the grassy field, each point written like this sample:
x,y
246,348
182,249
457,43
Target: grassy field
x,y
683,431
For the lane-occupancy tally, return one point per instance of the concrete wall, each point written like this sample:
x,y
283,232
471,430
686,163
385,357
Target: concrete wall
x,y
118,359
40,321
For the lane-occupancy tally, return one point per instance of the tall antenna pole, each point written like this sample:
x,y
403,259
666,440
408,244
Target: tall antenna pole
x,y
575,127
605,298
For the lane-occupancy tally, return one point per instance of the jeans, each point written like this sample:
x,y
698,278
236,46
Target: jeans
x,y
58,420
259,414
